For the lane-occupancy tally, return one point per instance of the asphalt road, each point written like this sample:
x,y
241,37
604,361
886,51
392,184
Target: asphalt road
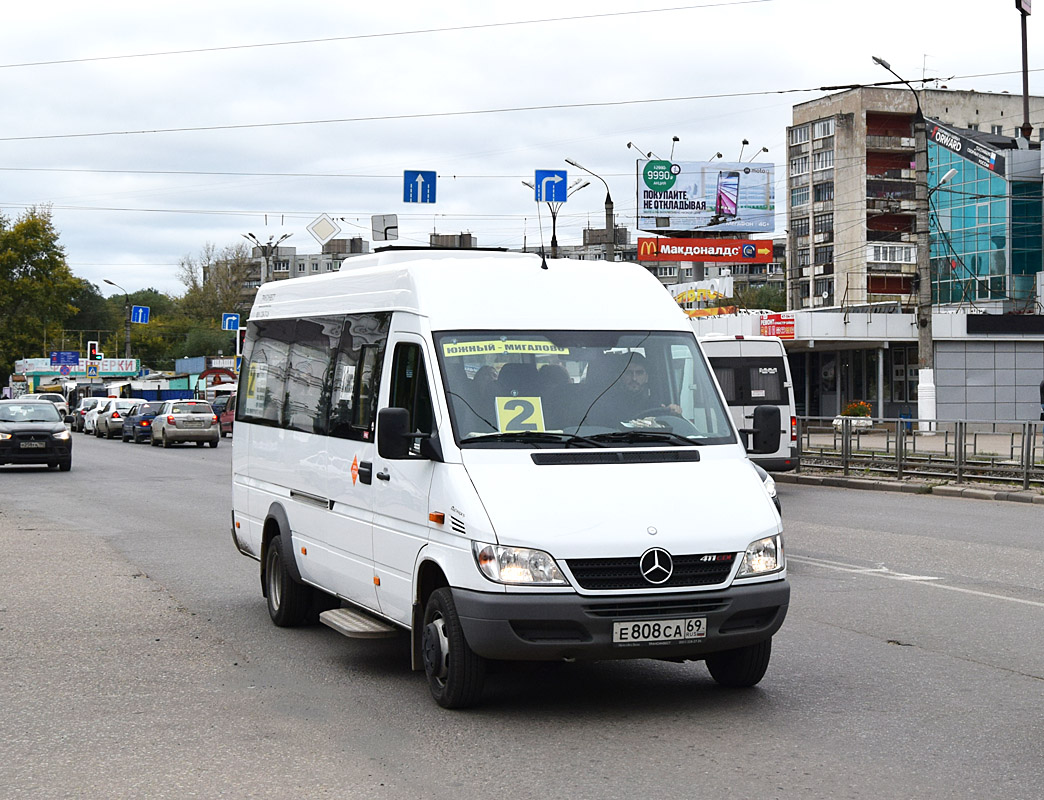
x,y
138,661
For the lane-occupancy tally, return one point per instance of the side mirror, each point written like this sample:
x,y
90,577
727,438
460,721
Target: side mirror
x,y
68,419
767,431
393,433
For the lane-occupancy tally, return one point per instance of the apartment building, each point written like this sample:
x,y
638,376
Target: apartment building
x,y
851,234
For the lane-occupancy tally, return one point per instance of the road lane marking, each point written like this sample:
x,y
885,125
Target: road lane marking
x,y
925,580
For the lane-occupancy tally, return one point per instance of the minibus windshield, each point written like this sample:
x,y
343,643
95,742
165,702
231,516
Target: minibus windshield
x,y
527,389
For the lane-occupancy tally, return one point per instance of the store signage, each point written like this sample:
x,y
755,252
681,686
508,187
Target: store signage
x,y
975,152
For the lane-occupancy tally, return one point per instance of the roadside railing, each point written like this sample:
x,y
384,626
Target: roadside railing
x,y
965,451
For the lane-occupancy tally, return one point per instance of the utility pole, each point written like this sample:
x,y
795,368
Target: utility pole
x,y
268,249
1027,129
126,319
610,222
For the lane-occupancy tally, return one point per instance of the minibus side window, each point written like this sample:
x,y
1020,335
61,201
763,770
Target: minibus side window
x,y
409,387
354,375
309,366
263,396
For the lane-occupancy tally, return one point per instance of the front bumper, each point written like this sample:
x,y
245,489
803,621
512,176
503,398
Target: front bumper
x,y
551,627
54,452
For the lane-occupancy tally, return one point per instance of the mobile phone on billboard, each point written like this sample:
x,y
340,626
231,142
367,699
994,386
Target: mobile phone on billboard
x,y
726,203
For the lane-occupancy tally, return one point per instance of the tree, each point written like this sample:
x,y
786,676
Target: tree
x,y
214,280
37,289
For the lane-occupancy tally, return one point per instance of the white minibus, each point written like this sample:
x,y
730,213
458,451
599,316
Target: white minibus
x,y
753,371
503,458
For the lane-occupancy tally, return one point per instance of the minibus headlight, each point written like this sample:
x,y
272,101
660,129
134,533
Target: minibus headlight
x,y
762,557
517,565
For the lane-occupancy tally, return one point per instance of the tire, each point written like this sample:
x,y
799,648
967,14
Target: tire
x,y
224,433
109,434
201,444
455,674
66,465
289,602
97,432
214,443
741,668
152,441
165,440
124,437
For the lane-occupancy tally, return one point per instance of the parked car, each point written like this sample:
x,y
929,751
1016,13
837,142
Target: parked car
x,y
92,414
109,421
33,432
80,412
220,403
58,399
137,422
185,421
228,416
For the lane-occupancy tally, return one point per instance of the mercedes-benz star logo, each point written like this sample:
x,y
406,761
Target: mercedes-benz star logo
x,y
656,565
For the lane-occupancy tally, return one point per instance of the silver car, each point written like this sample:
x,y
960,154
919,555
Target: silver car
x,y
185,421
109,420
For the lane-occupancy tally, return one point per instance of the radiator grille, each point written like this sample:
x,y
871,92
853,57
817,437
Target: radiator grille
x,y
705,569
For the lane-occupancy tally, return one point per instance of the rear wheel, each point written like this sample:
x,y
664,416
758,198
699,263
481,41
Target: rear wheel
x,y
455,673
214,443
166,441
742,667
201,444
289,602
109,432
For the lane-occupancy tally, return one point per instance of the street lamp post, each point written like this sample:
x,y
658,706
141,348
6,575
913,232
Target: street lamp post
x,y
610,227
555,207
127,317
925,343
267,250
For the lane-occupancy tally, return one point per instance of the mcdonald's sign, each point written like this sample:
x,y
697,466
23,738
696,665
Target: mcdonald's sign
x,y
726,251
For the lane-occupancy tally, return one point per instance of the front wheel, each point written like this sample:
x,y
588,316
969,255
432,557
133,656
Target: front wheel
x,y
289,602
455,673
742,667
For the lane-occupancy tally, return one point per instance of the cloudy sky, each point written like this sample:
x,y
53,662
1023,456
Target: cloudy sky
x,y
154,128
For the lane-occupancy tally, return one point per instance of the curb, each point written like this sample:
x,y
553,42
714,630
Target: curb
x,y
910,487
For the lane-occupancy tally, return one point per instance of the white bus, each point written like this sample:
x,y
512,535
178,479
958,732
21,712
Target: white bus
x,y
503,458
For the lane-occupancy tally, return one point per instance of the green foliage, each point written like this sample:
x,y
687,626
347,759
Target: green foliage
x,y
773,298
37,289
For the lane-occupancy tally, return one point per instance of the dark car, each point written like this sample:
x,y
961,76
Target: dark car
x,y
33,432
137,422
80,412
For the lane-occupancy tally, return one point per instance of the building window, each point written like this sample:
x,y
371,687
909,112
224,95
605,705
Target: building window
x,y
997,129
824,287
803,257
824,191
825,127
799,226
824,159
824,223
825,255
799,135
799,196
972,126
799,165
893,254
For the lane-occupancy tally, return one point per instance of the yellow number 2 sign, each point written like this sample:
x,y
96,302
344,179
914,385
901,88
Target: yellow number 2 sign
x,y
519,414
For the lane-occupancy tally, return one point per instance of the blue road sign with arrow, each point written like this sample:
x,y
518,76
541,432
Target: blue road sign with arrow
x,y
418,186
551,186
140,314
230,322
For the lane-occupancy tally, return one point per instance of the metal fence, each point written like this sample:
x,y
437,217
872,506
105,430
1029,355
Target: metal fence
x,y
965,451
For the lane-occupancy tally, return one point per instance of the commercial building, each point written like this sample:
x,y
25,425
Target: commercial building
x,y
851,207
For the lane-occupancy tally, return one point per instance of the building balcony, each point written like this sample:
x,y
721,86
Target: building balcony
x,y
891,143
891,205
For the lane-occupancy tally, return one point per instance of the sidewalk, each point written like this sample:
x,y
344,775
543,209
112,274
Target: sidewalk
x,y
915,486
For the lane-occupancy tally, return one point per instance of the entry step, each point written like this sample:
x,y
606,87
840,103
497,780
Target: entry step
x,y
357,624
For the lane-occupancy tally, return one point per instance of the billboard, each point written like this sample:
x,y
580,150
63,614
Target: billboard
x,y
981,154
729,251
717,196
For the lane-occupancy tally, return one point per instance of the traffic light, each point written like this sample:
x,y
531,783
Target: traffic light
x,y
92,351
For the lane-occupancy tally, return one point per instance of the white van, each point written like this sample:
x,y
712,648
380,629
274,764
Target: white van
x,y
450,444
753,371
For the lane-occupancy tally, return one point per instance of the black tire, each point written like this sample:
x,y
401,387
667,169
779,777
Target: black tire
x,y
152,441
66,465
201,444
455,673
224,434
165,440
124,437
97,431
741,668
109,434
289,602
214,443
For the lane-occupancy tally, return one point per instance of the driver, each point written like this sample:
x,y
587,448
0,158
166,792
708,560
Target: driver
x,y
634,395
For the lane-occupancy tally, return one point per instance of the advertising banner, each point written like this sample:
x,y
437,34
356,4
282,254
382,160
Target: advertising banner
x,y
980,154
781,325
706,195
730,251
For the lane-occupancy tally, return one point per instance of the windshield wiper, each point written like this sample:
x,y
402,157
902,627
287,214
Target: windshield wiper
x,y
535,437
644,437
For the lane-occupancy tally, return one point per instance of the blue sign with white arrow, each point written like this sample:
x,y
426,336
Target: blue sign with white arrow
x,y
551,186
140,314
230,322
418,186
